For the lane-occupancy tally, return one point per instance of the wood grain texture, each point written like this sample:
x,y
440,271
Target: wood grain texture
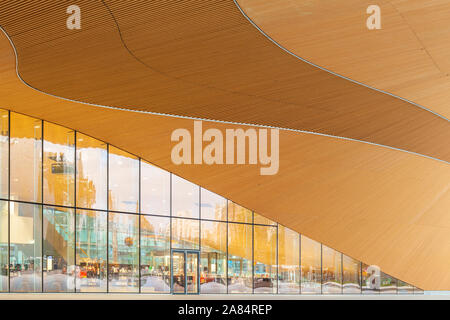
x,y
378,205
203,59
408,57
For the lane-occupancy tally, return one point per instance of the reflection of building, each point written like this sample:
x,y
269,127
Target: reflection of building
x,y
85,216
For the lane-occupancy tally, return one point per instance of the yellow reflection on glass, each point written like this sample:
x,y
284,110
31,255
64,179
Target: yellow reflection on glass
x,y
155,190
351,275
59,165
265,259
331,271
259,219
185,233
92,158
123,181
240,251
236,213
4,246
311,266
26,158
288,260
4,154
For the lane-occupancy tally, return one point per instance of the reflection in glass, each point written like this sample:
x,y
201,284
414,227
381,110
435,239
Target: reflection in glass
x,y
26,247
236,213
404,288
4,154
191,272
213,257
123,181
155,254
179,278
123,252
240,258
185,233
259,219
369,280
418,291
288,261
92,159
214,207
26,158
185,198
3,246
265,259
351,275
59,168
388,284
311,266
91,251
331,271
155,190
59,236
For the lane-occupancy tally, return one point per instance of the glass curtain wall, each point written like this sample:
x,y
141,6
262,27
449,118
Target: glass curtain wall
x,y
79,215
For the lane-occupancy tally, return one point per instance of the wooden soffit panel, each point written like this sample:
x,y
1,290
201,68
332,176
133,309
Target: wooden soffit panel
x,y
375,204
205,60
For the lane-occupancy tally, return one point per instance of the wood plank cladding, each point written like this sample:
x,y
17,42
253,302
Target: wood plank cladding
x,y
378,205
203,59
409,56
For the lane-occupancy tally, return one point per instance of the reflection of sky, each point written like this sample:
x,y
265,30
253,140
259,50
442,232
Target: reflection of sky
x,y
93,167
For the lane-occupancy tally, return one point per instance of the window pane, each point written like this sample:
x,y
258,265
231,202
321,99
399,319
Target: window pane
x,y
352,275
214,207
155,254
26,247
91,251
123,181
92,157
213,257
388,284
26,158
418,291
155,190
311,266
123,252
185,233
404,288
288,261
59,250
3,246
259,219
331,271
4,154
369,285
59,168
240,258
185,198
236,213
265,259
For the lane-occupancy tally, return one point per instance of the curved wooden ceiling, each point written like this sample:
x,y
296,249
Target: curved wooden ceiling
x,y
408,57
379,205
204,60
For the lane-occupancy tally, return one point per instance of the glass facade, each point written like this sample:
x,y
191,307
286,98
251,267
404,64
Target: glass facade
x,y
79,215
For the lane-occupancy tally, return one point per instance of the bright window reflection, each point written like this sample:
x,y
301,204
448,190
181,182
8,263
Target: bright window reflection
x,y
123,181
351,275
368,282
26,247
240,258
265,259
26,158
259,219
91,251
185,198
92,159
213,260
59,260
185,233
331,271
311,266
3,246
123,252
214,207
288,261
155,190
155,254
236,213
404,288
4,154
59,165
